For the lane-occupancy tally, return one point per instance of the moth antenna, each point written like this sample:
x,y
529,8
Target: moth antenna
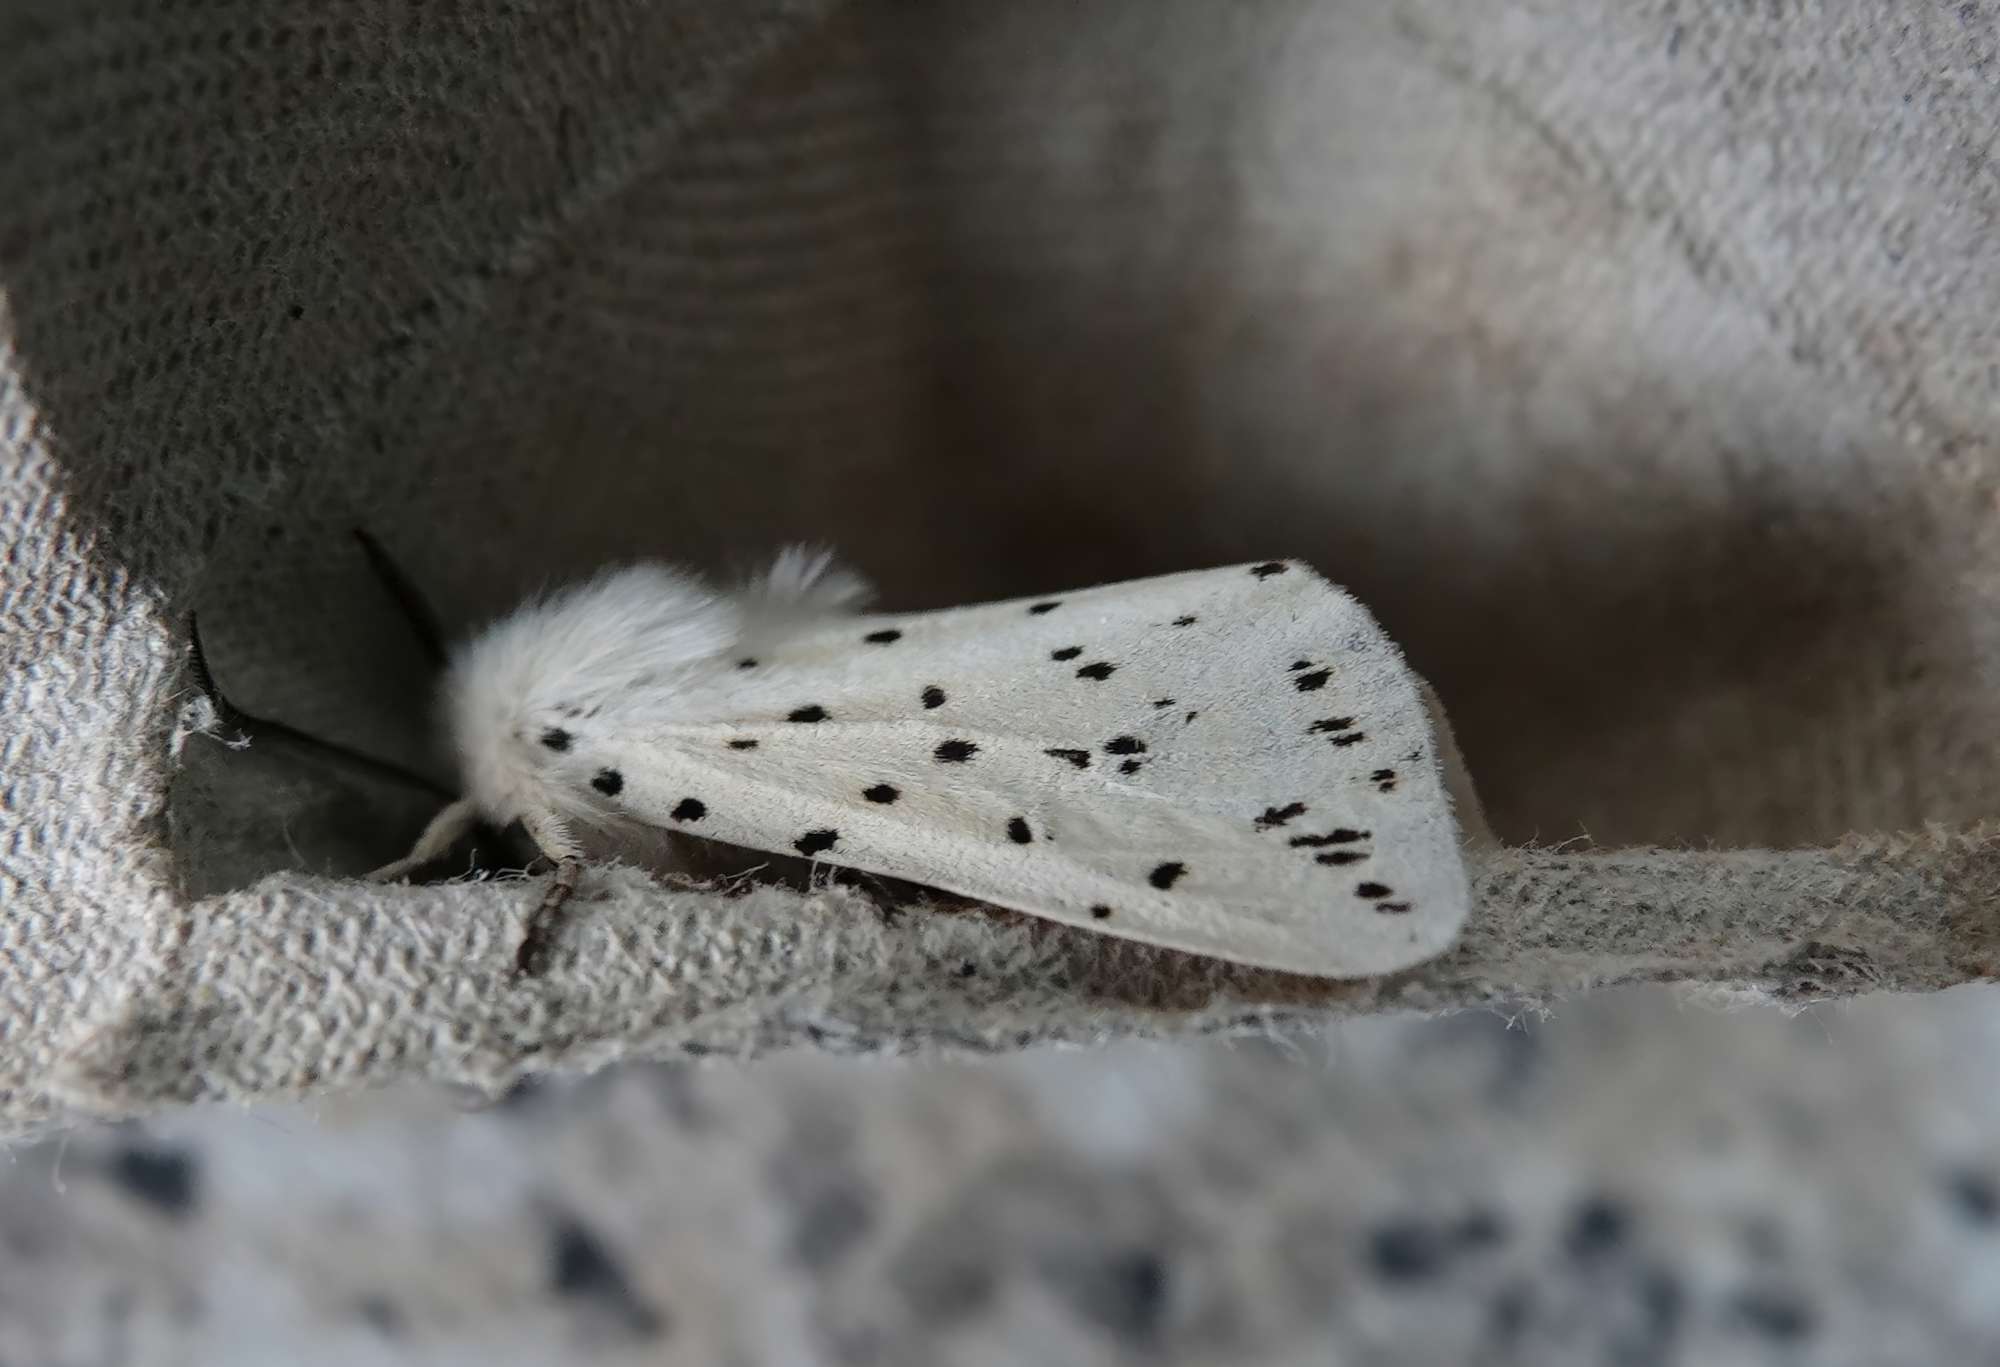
x,y
253,727
424,622
204,679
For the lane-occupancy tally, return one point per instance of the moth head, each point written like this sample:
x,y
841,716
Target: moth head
x,y
531,702
508,760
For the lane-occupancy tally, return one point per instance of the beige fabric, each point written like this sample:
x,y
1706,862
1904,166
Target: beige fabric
x,y
1633,365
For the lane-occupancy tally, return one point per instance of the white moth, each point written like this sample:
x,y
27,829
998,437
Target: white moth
x,y
1231,762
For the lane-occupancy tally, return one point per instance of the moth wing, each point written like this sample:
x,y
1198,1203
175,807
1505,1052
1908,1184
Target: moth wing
x,y
1234,763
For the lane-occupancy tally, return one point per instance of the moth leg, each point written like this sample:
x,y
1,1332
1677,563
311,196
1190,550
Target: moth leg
x,y
555,841
443,832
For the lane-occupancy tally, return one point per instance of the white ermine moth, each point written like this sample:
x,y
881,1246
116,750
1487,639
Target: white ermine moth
x,y
1232,762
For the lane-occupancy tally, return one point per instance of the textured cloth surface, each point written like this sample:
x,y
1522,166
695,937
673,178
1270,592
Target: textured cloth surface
x,y
1627,1182
1633,367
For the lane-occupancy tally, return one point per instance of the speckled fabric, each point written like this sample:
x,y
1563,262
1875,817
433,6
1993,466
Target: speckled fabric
x,y
1630,365
1630,1181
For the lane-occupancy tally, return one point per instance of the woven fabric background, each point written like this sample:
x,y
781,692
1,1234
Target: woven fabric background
x,y
1635,368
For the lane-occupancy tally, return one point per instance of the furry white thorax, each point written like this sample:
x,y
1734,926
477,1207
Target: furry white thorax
x,y
617,645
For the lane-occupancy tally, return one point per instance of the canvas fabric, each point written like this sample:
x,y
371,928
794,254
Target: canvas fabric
x,y
1634,365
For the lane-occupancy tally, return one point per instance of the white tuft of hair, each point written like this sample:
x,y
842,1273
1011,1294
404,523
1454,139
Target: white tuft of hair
x,y
617,645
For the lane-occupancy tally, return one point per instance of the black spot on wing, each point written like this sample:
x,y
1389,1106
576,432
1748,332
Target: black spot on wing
x,y
1186,621
1278,816
743,745
1350,738
933,696
556,739
1163,702
1392,908
1101,912
954,751
1066,653
1098,671
1079,758
1190,717
1124,745
816,842
1313,682
1050,605
1131,766
1384,780
810,713
1297,665
1340,857
1372,891
1166,875
882,793
1018,832
1269,568
887,636
1341,835
608,782
746,664
689,809
1325,724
